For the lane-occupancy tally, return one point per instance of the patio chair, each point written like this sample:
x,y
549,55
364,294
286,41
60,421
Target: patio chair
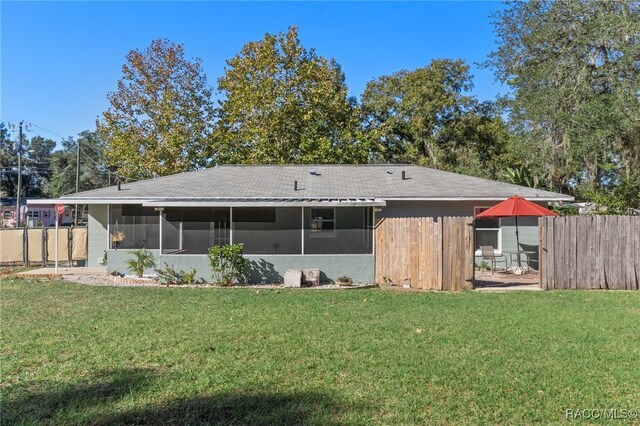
x,y
533,260
488,253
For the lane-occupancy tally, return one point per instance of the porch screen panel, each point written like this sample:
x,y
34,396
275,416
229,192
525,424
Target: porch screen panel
x,y
268,230
192,230
132,226
339,230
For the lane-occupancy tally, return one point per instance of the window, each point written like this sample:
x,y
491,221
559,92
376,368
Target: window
x,y
340,230
7,214
323,222
488,232
45,213
34,214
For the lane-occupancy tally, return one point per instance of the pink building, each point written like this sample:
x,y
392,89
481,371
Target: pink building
x,y
35,215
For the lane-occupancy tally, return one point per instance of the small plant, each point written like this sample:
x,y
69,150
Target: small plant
x,y
142,259
484,266
345,281
227,263
117,237
169,275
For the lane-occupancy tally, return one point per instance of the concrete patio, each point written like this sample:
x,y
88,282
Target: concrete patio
x,y
506,281
51,272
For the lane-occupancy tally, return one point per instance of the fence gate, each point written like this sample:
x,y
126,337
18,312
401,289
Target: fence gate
x,y
425,253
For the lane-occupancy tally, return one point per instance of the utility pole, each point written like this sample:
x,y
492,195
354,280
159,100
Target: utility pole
x,y
19,190
75,220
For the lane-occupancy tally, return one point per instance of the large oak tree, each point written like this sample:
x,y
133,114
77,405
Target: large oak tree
x,y
282,103
573,67
427,116
161,116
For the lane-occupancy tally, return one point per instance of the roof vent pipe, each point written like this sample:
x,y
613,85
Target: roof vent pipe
x,y
295,185
119,185
404,175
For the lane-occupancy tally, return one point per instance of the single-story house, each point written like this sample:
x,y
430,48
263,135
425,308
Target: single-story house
x,y
288,216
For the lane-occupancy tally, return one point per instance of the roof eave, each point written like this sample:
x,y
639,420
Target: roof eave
x,y
558,197
213,202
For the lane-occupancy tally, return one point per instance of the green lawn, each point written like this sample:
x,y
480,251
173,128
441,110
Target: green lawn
x,y
102,355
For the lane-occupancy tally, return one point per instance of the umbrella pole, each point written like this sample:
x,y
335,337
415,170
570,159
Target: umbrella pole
x,y
517,237
518,244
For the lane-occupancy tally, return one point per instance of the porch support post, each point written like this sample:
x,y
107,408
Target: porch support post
x,y
230,225
160,229
302,229
108,226
373,230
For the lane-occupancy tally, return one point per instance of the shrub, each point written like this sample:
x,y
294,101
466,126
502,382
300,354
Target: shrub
x,y
227,263
484,266
169,275
345,281
142,259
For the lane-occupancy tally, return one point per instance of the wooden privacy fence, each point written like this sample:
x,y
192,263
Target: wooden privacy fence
x,y
37,245
424,253
590,252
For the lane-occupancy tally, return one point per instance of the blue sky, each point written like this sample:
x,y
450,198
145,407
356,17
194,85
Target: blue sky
x,y
59,60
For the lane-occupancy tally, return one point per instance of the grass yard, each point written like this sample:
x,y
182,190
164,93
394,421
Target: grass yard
x,y
79,354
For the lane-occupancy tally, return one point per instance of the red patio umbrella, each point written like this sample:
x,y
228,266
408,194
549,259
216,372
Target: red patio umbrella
x,y
513,207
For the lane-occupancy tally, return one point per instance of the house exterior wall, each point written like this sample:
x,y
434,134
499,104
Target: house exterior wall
x,y
97,229
271,268
263,268
528,226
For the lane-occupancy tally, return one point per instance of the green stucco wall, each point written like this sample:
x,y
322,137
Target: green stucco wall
x,y
97,228
264,268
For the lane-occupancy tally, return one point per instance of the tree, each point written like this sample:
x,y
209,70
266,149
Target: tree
x,y
37,166
7,163
573,69
93,172
285,104
480,143
36,170
160,118
427,117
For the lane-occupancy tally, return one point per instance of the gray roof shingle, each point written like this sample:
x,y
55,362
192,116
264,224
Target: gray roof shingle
x,y
272,181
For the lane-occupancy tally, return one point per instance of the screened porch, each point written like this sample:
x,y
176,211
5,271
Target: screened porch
x,y
263,230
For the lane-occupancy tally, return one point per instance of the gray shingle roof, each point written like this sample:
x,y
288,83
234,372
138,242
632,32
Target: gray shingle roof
x,y
271,181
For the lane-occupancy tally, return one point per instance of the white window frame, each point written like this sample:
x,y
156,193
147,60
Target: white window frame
x,y
322,233
496,250
33,214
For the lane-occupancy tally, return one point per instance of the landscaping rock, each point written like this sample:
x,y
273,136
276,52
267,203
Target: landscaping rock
x,y
293,278
311,277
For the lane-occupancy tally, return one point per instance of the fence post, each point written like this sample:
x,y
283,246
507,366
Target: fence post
x,y
44,246
439,242
540,251
70,244
25,246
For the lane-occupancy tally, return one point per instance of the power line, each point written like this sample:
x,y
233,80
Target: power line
x,y
101,167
